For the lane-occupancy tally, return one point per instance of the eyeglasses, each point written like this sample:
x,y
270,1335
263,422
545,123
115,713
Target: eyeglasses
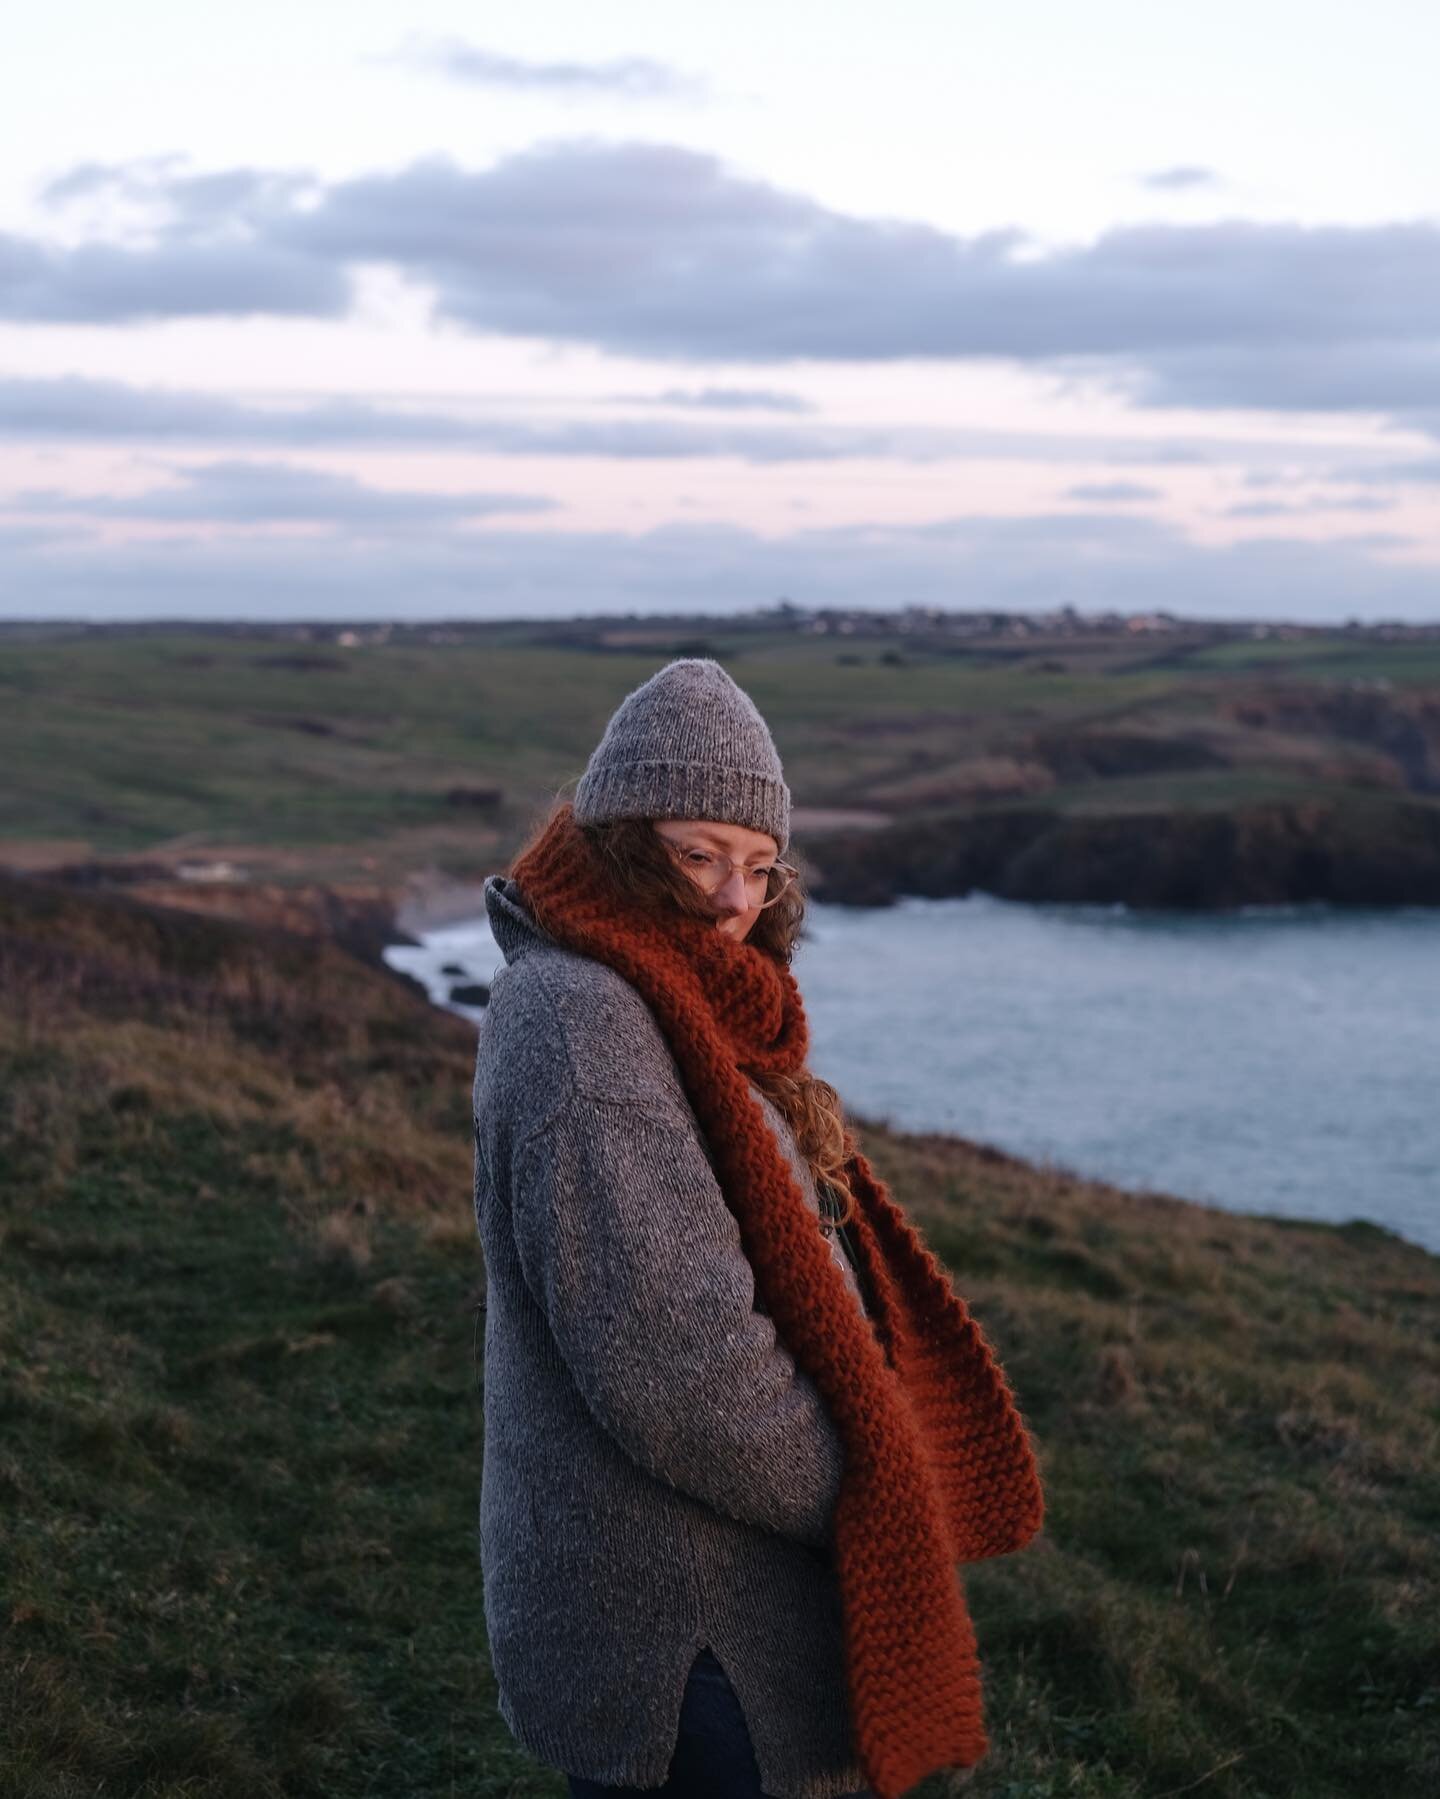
x,y
710,871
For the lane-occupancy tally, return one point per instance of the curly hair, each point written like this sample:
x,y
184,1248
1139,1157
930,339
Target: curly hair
x,y
637,860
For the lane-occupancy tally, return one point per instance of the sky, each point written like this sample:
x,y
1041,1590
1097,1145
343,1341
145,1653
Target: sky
x,y
443,311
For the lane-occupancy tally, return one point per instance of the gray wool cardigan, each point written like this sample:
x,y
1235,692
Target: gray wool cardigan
x,y
659,1474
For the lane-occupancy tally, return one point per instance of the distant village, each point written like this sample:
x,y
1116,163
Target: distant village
x,y
597,630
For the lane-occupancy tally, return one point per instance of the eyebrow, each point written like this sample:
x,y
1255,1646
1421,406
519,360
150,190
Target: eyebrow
x,y
714,843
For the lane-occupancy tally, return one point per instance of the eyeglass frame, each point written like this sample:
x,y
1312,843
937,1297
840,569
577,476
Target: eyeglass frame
x,y
680,850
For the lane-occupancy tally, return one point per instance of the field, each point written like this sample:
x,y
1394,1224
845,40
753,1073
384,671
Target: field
x,y
240,1292
312,760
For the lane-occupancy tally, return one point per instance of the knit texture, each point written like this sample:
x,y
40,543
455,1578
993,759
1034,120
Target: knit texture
x,y
658,1475
938,1466
687,743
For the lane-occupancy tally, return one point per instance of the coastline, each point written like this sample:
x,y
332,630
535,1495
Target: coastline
x,y
1195,1056
1337,852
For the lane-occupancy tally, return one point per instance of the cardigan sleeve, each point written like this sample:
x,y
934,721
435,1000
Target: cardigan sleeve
x,y
628,1247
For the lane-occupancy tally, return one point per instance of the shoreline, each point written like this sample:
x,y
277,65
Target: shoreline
x,y
1137,1159
1268,853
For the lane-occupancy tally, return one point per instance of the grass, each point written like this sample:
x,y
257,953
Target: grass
x,y
1243,1426
127,742
240,1294
241,1421
1407,664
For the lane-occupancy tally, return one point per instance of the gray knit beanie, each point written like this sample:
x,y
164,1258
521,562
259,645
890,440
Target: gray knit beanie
x,y
687,743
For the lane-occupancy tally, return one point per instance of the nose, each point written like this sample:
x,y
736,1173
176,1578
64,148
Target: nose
x,y
730,896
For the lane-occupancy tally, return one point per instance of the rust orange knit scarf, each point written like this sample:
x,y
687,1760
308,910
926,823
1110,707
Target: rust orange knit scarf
x,y
939,1468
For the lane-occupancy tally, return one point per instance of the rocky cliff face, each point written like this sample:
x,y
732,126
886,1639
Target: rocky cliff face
x,y
1375,852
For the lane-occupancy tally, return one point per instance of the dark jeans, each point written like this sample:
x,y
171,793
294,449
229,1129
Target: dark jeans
x,y
714,1757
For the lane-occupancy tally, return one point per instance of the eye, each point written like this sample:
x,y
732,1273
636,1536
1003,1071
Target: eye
x,y
698,858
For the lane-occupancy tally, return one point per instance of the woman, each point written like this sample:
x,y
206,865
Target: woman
x,y
739,1432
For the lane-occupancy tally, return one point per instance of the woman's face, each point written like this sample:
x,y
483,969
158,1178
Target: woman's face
x,y
735,907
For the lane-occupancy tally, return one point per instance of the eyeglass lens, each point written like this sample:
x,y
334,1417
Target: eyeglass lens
x,y
715,870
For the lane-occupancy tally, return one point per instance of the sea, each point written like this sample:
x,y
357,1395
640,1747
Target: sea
x,y
1280,1060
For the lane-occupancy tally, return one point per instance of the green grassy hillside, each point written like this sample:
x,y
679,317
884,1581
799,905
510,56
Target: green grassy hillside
x,y
242,1425
320,761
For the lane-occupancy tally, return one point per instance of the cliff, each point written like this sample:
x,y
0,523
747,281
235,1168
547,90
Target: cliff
x,y
1345,850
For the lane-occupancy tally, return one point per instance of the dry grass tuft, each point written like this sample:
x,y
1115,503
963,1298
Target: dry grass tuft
x,y
342,1239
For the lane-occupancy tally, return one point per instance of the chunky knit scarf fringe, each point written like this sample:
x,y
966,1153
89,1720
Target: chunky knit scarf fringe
x,y
939,1467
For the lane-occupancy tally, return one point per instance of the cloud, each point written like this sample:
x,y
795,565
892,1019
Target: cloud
x,y
1180,177
118,285
625,78
15,537
1113,490
722,399
184,204
1420,468
657,251
1260,509
1321,503
194,246
1093,562
247,493
1178,455
1348,373
77,409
